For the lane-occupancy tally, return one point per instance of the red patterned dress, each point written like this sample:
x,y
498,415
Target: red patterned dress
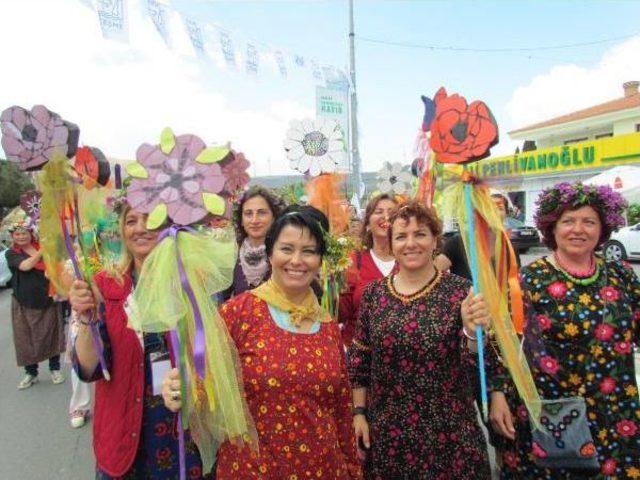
x,y
298,393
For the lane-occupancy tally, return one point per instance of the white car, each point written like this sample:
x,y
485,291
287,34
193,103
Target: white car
x,y
623,244
5,273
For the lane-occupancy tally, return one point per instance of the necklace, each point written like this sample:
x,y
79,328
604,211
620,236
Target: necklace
x,y
420,293
584,281
577,273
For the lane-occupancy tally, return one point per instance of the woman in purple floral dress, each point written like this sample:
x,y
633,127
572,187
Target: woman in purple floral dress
x,y
583,317
412,364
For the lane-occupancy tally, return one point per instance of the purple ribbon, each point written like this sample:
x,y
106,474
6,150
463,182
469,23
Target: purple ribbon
x,y
118,176
199,345
95,332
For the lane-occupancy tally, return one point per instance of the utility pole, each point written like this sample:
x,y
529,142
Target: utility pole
x,y
355,154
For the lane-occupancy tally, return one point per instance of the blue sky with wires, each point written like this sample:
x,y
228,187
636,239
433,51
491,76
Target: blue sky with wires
x,y
128,92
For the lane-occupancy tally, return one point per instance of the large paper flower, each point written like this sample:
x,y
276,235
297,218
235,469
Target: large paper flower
x,y
314,146
30,203
92,166
234,168
394,178
179,179
462,133
30,138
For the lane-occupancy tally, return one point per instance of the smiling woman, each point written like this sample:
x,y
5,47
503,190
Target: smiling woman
x,y
257,209
293,366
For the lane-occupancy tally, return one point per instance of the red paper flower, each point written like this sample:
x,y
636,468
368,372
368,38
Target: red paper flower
x,y
30,138
235,169
462,133
626,428
92,166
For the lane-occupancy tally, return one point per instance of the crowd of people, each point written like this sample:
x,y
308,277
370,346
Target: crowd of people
x,y
385,391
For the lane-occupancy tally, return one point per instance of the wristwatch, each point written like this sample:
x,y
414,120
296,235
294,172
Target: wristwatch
x,y
359,411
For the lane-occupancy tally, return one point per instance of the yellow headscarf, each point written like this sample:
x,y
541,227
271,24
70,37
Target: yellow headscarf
x,y
307,309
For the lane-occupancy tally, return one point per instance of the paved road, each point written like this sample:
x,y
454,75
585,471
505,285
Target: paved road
x,y
36,441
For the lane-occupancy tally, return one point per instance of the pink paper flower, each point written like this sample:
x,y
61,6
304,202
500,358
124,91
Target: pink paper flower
x,y
604,332
235,169
549,364
30,138
557,289
609,294
607,385
175,179
626,428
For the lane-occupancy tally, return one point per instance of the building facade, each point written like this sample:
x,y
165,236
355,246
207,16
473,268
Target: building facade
x,y
572,147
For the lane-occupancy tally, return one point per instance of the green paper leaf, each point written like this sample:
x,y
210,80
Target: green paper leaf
x,y
167,141
157,216
136,170
212,154
214,203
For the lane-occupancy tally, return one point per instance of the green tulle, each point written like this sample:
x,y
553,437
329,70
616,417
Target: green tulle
x,y
214,410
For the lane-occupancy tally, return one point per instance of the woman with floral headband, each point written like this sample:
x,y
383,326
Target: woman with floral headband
x,y
38,330
583,317
255,213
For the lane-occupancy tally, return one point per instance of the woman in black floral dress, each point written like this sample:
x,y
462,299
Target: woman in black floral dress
x,y
583,317
412,363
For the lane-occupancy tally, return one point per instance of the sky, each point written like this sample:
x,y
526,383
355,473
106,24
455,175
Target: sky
x,y
122,94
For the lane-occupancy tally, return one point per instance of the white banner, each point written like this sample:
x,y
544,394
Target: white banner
x,y
252,59
333,105
158,14
282,67
226,45
195,35
112,15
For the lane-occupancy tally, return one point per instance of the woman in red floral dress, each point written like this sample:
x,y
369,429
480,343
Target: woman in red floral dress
x,y
293,366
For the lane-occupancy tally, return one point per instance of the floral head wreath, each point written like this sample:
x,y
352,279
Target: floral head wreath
x,y
575,195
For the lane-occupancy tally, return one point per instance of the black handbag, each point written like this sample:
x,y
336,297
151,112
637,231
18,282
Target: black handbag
x,y
564,439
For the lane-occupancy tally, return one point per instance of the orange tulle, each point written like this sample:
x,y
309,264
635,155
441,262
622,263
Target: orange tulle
x,y
326,195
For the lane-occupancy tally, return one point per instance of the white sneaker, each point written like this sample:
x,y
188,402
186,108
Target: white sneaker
x,y
78,418
27,381
57,377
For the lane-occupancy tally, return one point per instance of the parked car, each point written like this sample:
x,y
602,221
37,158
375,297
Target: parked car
x,y
522,236
623,244
5,273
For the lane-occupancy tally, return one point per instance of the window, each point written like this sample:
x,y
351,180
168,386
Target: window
x,y
637,127
604,135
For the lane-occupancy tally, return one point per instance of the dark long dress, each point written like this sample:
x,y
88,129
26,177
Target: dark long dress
x,y
580,342
412,357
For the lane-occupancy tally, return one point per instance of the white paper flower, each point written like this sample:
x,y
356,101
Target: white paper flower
x,y
314,146
394,178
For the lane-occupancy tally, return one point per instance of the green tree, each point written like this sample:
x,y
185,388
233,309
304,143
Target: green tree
x,y
13,183
633,214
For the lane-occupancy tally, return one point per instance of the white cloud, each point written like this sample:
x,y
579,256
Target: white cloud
x,y
569,87
122,95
